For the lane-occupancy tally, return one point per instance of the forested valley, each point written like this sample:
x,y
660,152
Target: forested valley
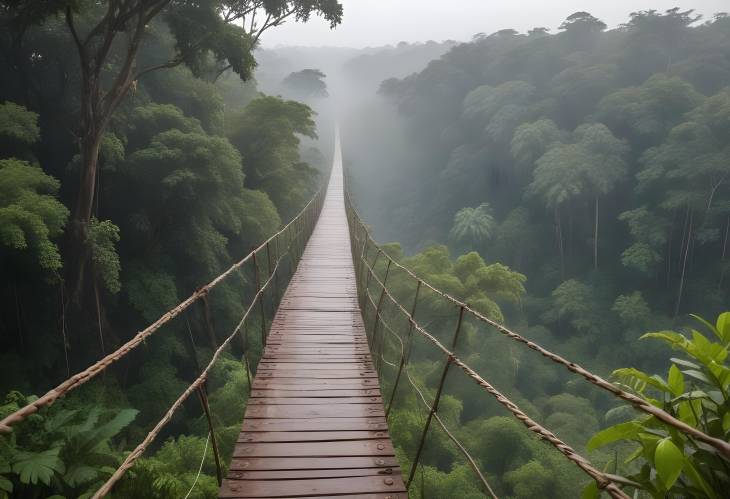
x,y
574,186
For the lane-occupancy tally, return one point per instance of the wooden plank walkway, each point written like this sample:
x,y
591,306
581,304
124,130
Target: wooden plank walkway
x,y
315,425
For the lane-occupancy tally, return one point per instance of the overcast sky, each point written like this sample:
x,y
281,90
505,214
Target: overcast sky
x,y
381,22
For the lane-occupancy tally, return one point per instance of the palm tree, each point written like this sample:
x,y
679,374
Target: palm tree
x,y
473,225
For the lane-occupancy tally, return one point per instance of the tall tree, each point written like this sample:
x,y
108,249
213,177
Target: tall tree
x,y
473,225
306,84
108,37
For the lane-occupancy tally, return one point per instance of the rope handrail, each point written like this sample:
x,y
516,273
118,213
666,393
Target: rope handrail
x,y
722,446
602,479
469,458
99,366
196,384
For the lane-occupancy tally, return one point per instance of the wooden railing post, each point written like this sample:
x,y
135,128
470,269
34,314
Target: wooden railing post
x,y
366,286
405,355
437,398
276,286
377,315
260,298
206,408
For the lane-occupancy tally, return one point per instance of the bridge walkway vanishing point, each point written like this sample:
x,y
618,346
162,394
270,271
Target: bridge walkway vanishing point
x,y
314,425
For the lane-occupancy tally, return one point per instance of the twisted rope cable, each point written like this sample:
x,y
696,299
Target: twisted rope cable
x,y
603,480
637,402
149,438
459,445
95,369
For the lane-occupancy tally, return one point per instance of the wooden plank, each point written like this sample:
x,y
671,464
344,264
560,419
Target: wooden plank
x,y
373,423
309,463
336,382
314,411
309,436
378,447
313,400
304,488
314,393
323,473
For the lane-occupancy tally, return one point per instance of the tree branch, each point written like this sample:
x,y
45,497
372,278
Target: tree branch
x,y
77,41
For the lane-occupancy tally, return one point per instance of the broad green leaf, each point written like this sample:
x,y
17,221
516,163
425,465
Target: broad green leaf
x,y
697,375
621,431
705,350
58,420
685,363
726,422
709,326
79,475
675,380
723,326
721,374
6,485
670,337
120,421
689,411
668,460
34,467
632,373
697,479
590,491
634,455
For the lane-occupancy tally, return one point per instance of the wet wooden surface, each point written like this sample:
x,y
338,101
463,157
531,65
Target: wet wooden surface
x,y
315,424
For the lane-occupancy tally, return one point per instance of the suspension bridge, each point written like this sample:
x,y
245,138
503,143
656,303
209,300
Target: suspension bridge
x,y
315,423
316,419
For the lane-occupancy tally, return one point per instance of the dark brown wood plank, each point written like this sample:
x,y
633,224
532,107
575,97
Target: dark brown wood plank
x,y
309,436
374,423
304,488
324,473
310,463
304,392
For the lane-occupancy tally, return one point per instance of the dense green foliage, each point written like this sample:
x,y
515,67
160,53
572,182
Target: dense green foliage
x,y
695,391
193,168
595,163
574,186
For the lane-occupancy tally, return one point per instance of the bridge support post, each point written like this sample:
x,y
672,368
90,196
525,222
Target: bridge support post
x,y
214,443
406,354
437,398
366,285
274,298
257,277
377,317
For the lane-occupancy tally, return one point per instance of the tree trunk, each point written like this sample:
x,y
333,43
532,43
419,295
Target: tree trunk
x,y
77,248
684,266
595,239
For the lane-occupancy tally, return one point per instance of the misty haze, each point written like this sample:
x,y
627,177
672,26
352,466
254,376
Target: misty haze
x,y
368,249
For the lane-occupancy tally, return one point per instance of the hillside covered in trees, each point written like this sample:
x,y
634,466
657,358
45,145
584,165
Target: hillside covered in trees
x,y
137,161
575,185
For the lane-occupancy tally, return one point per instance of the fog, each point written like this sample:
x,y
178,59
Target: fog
x,y
370,23
380,40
